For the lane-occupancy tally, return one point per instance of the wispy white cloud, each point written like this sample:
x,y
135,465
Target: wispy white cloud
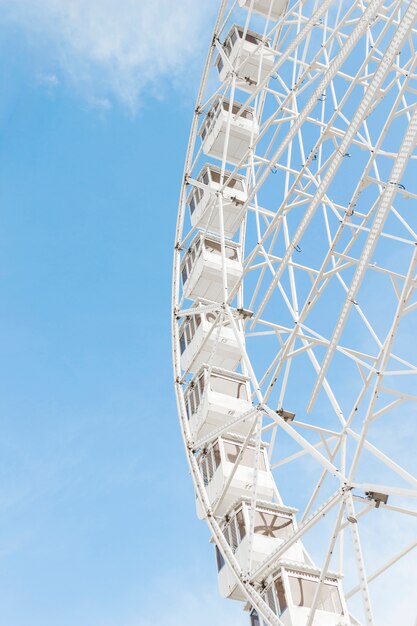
x,y
115,49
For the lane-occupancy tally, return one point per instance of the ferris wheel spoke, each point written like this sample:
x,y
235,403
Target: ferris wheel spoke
x,y
363,584
326,564
384,568
380,217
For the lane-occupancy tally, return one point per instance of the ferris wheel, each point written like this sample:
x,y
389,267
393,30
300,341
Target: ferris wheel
x,y
294,309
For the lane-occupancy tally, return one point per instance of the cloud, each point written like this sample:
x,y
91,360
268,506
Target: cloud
x,y
115,50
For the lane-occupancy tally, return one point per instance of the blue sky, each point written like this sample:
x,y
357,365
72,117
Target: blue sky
x,y
97,513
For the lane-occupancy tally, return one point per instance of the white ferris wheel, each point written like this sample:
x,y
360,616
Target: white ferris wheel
x,y
294,309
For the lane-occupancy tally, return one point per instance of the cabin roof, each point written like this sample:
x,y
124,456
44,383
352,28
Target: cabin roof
x,y
273,507
252,33
221,372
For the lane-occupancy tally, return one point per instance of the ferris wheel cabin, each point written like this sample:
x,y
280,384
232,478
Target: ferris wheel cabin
x,y
203,340
290,594
249,54
263,7
274,524
201,268
217,464
213,398
200,201
244,129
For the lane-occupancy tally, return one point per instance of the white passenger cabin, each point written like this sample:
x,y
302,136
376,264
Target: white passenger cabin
x,y
213,398
216,465
201,340
244,130
206,216
201,268
251,56
274,524
290,594
263,7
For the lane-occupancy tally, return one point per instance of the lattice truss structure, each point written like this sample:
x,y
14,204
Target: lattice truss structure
x,y
294,308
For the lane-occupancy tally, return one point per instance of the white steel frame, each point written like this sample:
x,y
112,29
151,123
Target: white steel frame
x,y
322,247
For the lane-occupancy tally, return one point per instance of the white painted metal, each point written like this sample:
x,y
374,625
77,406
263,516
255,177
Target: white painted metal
x,y
216,466
291,592
204,213
207,338
250,53
243,130
202,268
214,397
320,209
273,524
267,8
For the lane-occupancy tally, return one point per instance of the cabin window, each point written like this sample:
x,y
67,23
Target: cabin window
x,y
251,39
233,539
280,595
275,597
215,247
215,176
242,391
273,525
236,108
240,519
188,332
209,463
206,178
231,253
233,37
182,342
197,244
234,532
228,387
270,599
219,559
187,408
201,383
212,246
189,261
216,455
210,317
195,394
220,64
221,385
303,591
248,115
235,183
192,402
203,468
248,458
192,205
254,619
